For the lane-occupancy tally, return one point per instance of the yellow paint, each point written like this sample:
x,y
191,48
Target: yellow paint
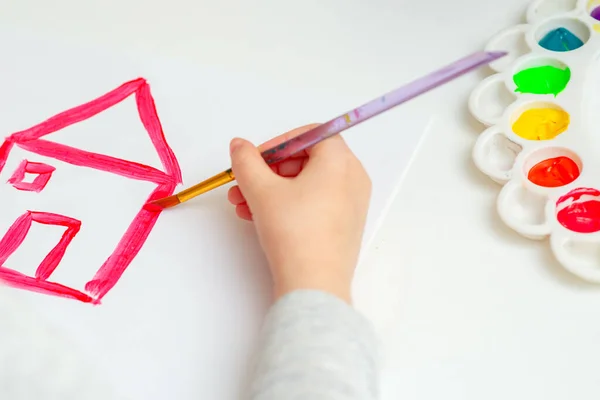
x,y
541,123
347,118
592,3
597,27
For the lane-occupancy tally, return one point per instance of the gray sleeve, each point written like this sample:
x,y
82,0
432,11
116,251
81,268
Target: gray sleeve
x,y
315,346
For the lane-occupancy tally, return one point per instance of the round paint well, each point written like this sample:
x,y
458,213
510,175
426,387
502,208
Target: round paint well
x,y
550,8
552,167
526,207
562,34
492,100
554,172
502,152
512,41
542,76
579,210
593,9
540,120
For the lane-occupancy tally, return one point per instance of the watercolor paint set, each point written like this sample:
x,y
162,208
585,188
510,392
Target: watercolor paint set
x,y
542,140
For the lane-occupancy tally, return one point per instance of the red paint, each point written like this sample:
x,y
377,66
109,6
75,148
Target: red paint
x,y
152,207
579,210
79,113
4,151
53,258
554,172
149,117
577,194
18,280
101,162
43,172
14,238
131,243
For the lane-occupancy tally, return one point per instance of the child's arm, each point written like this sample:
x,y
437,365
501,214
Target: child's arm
x,y
309,213
315,346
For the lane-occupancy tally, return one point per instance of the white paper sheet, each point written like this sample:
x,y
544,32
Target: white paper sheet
x,y
182,321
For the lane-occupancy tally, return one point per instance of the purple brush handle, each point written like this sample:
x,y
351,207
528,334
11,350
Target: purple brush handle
x,y
377,106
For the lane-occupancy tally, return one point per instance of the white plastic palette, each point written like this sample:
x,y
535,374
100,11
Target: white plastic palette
x,y
569,214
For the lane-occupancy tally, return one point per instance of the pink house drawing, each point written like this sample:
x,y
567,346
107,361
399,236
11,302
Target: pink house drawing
x,y
34,140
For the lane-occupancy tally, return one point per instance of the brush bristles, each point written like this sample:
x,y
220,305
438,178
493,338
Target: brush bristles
x,y
167,202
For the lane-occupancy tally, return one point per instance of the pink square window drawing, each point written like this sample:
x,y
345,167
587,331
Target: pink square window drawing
x,y
43,172
31,140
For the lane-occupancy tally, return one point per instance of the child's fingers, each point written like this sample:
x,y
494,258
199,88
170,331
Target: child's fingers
x,y
288,168
330,154
291,168
235,196
287,136
329,149
237,199
243,211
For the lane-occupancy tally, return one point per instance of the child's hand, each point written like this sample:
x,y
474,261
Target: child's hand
x,y
309,212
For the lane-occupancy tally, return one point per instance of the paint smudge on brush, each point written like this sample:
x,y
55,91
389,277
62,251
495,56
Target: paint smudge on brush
x,y
542,80
153,207
554,172
561,40
541,123
579,210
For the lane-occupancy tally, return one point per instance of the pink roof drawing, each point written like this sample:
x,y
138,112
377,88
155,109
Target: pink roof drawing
x,y
33,140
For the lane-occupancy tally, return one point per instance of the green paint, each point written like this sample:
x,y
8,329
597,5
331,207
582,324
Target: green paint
x,y
542,80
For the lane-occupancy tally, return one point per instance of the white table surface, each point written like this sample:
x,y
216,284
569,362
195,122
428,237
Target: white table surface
x,y
465,308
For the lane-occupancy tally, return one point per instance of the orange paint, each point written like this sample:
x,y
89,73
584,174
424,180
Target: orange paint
x,y
554,172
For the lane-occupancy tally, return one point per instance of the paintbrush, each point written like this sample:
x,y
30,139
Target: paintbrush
x,y
343,122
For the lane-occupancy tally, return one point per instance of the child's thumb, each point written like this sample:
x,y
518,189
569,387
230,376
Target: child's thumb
x,y
251,171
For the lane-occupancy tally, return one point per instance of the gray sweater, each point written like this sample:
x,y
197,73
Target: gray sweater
x,y
314,347
317,347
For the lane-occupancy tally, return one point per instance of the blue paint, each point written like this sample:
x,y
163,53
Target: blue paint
x,y
561,39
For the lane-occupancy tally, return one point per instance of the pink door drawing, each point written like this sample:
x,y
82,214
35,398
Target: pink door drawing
x,y
35,141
